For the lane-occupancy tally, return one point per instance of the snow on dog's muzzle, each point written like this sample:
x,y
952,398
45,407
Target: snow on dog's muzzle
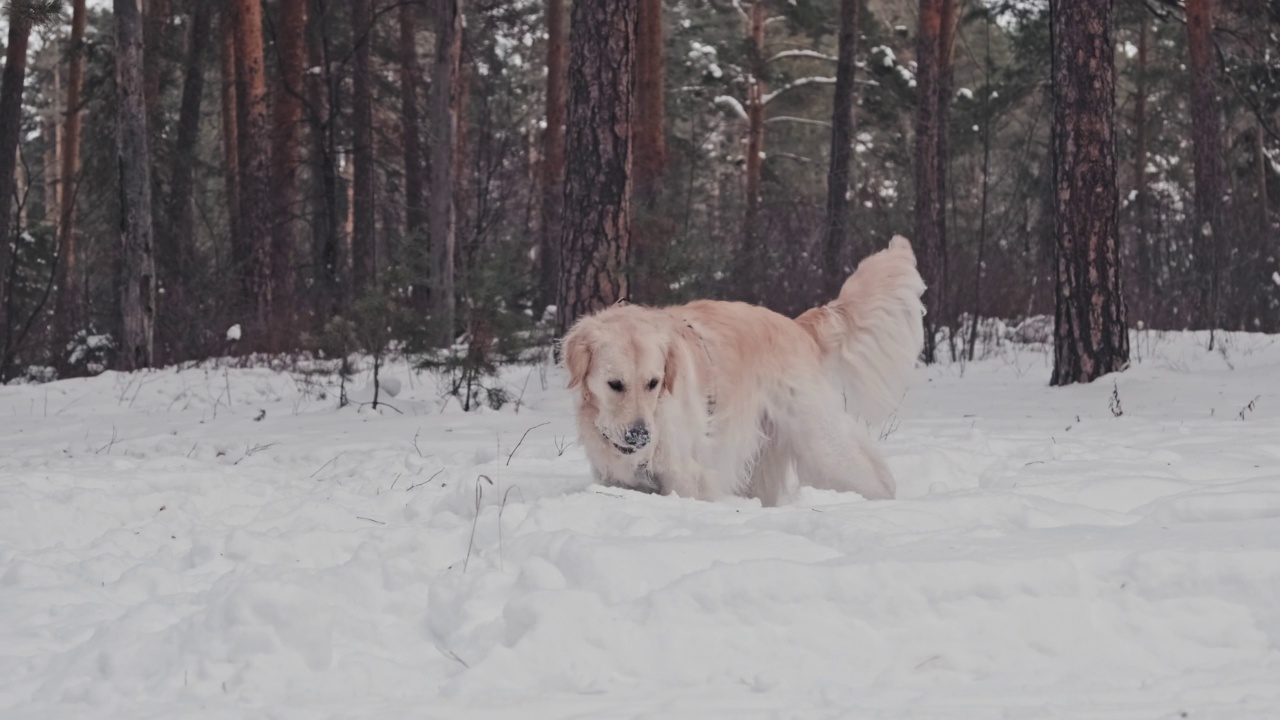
x,y
636,437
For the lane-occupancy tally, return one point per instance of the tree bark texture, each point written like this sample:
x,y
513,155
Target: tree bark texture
x,y
651,230
650,138
942,300
1142,252
749,261
411,127
68,315
138,286
254,151
598,179
230,132
51,136
753,252
156,39
1091,337
286,159
11,86
171,251
1206,141
445,96
323,98
363,213
553,154
929,201
835,238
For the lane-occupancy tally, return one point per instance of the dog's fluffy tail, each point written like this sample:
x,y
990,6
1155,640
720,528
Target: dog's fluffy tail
x,y
872,334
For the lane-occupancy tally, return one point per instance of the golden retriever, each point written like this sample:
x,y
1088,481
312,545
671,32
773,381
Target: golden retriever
x,y
712,399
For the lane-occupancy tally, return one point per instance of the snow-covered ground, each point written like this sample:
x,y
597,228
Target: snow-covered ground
x,y
224,543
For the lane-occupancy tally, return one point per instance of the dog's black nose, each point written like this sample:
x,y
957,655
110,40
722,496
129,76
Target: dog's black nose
x,y
637,436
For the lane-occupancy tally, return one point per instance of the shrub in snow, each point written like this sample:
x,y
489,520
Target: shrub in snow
x,y
375,320
496,334
90,354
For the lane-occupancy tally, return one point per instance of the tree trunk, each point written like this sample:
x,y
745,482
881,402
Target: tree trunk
x,y
836,232
138,298
444,132
979,266
231,137
411,128
650,138
51,135
286,162
323,98
553,155
175,239
463,174
156,39
598,179
363,243
157,51
255,183
943,302
929,201
649,237
1206,140
67,315
1091,338
11,86
1144,281
1265,314
751,256
172,251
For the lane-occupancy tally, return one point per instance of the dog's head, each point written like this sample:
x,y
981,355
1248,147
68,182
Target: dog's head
x,y
623,359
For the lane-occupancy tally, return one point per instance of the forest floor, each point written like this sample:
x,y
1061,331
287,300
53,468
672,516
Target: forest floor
x,y
226,543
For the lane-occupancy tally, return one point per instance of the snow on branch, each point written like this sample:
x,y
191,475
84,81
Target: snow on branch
x,y
730,102
802,53
800,120
795,84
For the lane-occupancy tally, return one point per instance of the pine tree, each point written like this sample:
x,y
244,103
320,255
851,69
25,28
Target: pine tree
x,y
649,237
410,126
67,307
138,286
929,205
598,151
11,87
443,121
364,247
552,204
836,231
286,159
1206,140
254,256
1091,338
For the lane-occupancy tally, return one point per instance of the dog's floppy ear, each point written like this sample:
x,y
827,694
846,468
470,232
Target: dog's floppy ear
x,y
576,349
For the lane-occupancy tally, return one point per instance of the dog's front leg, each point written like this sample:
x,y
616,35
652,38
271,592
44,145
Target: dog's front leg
x,y
684,477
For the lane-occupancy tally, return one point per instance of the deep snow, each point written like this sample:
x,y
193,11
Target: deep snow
x,y
165,553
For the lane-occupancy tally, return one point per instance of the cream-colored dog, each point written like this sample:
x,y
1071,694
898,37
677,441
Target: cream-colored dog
x,y
716,398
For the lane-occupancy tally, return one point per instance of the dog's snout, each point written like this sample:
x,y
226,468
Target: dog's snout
x,y
637,436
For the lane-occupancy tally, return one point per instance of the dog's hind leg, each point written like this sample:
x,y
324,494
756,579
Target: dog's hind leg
x,y
833,451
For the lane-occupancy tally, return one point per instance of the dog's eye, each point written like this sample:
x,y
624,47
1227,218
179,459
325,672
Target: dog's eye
x,y
652,384
616,385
